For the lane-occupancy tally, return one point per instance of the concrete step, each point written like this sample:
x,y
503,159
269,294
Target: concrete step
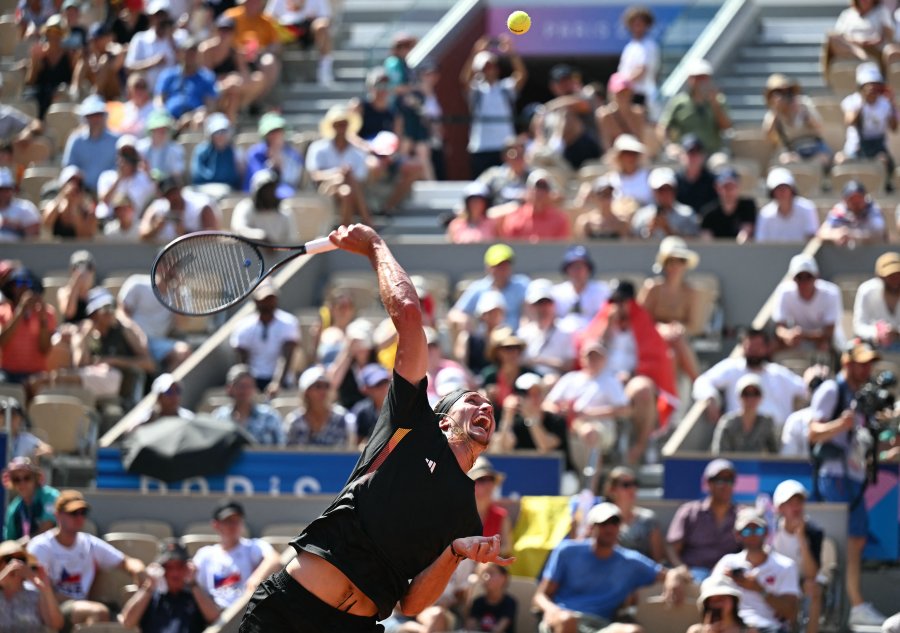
x,y
779,53
792,68
735,83
340,90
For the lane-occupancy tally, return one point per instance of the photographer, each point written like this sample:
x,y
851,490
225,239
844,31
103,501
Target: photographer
x,y
842,442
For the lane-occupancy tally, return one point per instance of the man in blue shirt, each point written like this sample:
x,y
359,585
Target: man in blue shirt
x,y
91,148
498,259
586,581
188,86
260,420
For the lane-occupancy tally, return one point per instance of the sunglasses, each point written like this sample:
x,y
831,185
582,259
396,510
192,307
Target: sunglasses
x,y
319,385
83,512
722,481
751,393
753,530
631,483
21,480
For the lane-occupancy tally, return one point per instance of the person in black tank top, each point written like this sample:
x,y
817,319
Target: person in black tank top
x,y
378,115
408,509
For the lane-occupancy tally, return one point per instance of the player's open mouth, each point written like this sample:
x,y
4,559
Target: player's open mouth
x,y
482,422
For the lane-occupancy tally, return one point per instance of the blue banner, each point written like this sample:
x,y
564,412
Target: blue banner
x,y
683,479
302,473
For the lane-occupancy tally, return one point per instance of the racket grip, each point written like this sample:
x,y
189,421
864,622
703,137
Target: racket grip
x,y
319,245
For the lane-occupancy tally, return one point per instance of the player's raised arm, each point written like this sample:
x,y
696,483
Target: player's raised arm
x,y
397,294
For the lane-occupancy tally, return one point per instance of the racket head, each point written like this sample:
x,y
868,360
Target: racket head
x,y
206,272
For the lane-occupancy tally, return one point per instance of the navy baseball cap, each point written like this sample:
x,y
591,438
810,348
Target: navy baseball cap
x,y
561,71
727,174
692,143
853,186
577,253
98,29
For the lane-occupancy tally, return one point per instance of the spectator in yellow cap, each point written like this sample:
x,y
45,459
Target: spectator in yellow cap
x,y
498,260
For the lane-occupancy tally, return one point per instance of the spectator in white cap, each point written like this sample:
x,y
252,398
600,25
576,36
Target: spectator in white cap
x,y
671,300
260,420
539,218
719,604
167,391
91,148
746,430
549,347
129,177
789,217
471,344
702,531
808,310
586,581
800,539
153,50
628,176
70,213
856,220
492,101
266,340
19,218
876,316
769,582
870,114
374,383
319,421
665,215
472,224
214,160
699,110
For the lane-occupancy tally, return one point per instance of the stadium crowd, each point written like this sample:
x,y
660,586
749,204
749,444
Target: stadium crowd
x,y
138,112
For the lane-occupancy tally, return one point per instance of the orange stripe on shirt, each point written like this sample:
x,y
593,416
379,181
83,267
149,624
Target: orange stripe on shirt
x,y
398,435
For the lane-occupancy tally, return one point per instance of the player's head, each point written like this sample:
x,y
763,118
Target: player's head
x,y
467,416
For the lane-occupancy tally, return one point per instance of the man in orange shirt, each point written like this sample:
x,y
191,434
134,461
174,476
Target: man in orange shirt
x,y
256,38
26,325
538,219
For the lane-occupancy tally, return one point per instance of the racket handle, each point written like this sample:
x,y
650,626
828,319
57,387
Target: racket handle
x,y
319,245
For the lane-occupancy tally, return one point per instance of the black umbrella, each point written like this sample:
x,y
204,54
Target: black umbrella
x,y
173,448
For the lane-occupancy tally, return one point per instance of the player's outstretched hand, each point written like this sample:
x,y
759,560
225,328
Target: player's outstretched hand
x,y
482,549
356,238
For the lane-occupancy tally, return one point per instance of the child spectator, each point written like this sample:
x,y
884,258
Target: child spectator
x,y
495,610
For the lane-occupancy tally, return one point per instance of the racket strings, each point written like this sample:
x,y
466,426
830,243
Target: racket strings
x,y
207,272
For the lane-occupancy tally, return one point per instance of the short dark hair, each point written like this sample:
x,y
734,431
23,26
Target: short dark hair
x,y
752,332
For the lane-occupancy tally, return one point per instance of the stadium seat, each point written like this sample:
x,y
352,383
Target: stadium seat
x,y
750,143
109,588
653,614
36,154
13,390
708,291
61,120
808,177
205,528
523,590
9,35
87,398
313,215
829,109
834,135
842,77
34,179
749,171
143,547
28,106
66,424
870,174
362,287
160,529
104,627
193,542
285,406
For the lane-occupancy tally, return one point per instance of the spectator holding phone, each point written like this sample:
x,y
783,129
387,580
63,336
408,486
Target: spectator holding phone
x,y
25,608
719,603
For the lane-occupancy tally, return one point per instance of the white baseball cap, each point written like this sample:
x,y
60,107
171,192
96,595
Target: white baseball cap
x,y
662,177
490,300
92,104
803,263
603,512
6,178
311,376
787,490
449,380
538,290
780,176
699,67
217,122
868,73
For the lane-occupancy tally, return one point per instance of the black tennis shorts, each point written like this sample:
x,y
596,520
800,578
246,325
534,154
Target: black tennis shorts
x,y
282,605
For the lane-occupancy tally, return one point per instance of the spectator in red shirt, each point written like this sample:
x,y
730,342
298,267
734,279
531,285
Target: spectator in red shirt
x,y
538,219
26,325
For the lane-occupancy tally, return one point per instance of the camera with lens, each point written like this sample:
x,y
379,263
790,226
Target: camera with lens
x,y
876,396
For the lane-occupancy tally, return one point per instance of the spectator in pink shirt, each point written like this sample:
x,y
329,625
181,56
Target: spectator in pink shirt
x,y
471,225
538,218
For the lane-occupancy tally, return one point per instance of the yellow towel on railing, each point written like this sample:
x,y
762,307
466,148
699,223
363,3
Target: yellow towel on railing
x,y
543,522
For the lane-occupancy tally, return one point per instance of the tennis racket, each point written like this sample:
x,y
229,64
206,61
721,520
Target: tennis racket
x,y
209,271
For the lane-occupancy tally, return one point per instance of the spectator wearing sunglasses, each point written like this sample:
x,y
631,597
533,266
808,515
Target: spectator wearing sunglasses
x,y
31,512
72,558
746,430
702,531
769,581
539,218
585,581
25,607
639,529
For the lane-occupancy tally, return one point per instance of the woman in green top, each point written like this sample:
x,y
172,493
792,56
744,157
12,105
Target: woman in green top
x,y
31,512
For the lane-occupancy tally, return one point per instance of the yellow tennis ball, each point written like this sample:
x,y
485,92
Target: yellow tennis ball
x,y
518,22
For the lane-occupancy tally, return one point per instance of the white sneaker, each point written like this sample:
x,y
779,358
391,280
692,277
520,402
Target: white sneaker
x,y
866,615
325,74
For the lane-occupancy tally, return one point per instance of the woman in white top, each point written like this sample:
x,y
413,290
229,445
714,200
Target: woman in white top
x,y
629,176
869,114
639,62
864,31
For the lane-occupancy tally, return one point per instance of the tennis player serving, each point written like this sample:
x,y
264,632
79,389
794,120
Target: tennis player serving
x,y
407,516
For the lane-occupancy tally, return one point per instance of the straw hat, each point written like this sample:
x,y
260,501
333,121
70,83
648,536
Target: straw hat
x,y
674,246
779,81
339,113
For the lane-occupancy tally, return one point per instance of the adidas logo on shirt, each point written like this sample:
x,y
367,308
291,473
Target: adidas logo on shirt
x,y
430,464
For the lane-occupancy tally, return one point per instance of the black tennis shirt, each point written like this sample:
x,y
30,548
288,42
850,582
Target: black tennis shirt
x,y
405,502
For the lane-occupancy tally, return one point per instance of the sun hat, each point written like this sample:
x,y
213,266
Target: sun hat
x,y
675,247
339,113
